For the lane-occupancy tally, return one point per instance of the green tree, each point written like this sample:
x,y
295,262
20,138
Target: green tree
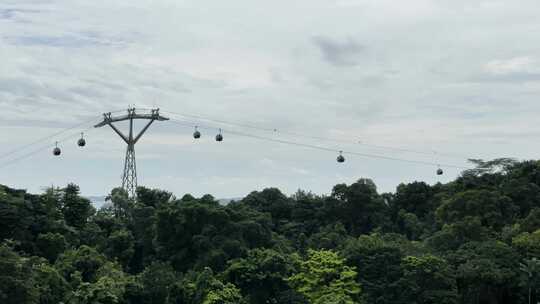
x,y
156,284
380,262
76,209
531,222
528,244
486,271
53,288
330,237
203,287
50,245
223,294
200,233
80,265
120,246
108,288
358,206
261,275
427,280
325,277
17,282
493,209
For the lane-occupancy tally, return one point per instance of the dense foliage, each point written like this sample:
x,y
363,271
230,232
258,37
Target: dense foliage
x,y
473,240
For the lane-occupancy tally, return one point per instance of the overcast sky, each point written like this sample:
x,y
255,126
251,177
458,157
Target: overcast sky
x,y
459,77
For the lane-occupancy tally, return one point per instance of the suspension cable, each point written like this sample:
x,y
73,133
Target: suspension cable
x,y
317,147
48,146
40,140
276,130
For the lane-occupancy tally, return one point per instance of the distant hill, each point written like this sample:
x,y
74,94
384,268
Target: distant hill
x,y
226,201
99,201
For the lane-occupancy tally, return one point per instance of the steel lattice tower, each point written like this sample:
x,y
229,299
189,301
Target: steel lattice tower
x,y
129,178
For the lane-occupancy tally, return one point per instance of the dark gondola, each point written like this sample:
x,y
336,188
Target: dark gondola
x,y
440,171
340,158
219,137
196,134
57,151
82,141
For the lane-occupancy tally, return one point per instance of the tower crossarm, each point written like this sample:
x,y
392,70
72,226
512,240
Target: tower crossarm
x,y
108,118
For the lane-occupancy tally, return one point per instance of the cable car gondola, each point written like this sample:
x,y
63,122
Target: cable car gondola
x,y
440,171
340,158
56,150
82,141
196,134
219,137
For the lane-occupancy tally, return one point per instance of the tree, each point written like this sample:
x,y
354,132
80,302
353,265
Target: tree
x,y
261,275
528,244
223,294
17,217
325,277
51,245
493,209
427,280
416,198
487,271
80,265
196,234
380,262
52,287
531,222
153,197
454,235
109,287
156,283
358,206
120,246
17,282
271,200
76,209
203,287
329,237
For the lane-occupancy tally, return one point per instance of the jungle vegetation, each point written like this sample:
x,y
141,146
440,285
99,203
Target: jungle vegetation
x,y
473,240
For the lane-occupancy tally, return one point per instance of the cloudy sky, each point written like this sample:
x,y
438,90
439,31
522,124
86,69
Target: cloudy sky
x,y
454,77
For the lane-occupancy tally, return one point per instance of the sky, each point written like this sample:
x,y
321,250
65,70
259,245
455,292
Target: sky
x,y
451,79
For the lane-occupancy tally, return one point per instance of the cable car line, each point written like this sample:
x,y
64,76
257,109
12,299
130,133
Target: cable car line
x,y
23,147
322,148
219,137
276,130
347,152
42,148
222,121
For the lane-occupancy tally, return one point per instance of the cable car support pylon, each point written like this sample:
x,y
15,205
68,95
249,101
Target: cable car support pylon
x,y
129,178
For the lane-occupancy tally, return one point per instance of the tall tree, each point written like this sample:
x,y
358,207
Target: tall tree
x,y
76,209
427,280
325,278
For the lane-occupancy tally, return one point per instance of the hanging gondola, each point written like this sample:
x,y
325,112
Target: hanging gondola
x,y
56,150
340,158
440,171
196,134
82,141
219,137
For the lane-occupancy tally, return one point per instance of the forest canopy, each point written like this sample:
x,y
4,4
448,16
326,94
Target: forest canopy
x,y
473,240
